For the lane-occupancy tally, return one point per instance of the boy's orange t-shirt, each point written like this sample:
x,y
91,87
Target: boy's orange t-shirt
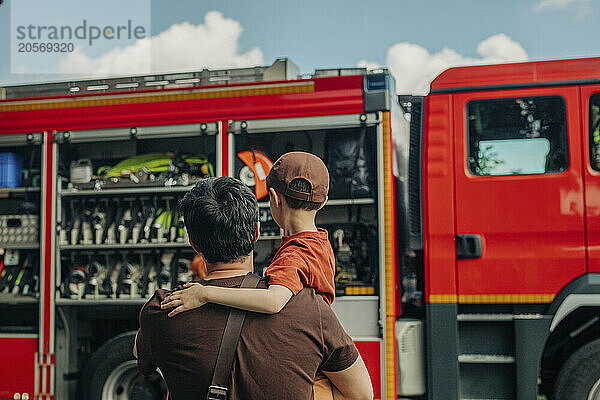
x,y
305,259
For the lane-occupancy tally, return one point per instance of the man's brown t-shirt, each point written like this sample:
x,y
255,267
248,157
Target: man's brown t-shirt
x,y
277,356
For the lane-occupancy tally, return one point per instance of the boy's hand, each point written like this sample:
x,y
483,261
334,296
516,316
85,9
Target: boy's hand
x,y
192,296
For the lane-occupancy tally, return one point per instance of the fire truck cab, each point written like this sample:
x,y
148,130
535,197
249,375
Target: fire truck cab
x,y
510,195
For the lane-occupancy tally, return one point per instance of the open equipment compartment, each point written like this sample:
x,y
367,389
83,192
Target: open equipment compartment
x,y
348,146
120,234
20,222
20,180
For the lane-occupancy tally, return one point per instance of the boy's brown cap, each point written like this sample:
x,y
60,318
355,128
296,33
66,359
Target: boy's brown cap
x,y
298,164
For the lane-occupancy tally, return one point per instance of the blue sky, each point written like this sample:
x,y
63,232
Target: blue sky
x,y
416,39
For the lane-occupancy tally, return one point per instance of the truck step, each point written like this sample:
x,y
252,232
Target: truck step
x,y
485,359
495,317
485,317
486,349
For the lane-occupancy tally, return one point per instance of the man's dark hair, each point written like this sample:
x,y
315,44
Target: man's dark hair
x,y
220,215
302,185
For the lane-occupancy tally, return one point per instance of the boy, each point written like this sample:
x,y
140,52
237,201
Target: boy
x,y
298,184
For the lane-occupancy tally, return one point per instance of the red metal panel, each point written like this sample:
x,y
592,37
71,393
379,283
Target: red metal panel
x,y
371,354
18,365
518,73
438,197
531,226
592,184
338,95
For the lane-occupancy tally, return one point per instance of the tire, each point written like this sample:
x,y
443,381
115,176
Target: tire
x,y
112,374
579,377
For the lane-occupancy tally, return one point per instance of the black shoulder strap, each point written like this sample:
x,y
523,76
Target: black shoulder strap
x,y
218,388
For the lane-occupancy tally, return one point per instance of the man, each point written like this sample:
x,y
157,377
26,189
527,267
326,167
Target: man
x,y
277,356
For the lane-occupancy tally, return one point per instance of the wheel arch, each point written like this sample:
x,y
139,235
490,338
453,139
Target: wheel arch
x,y
575,314
581,292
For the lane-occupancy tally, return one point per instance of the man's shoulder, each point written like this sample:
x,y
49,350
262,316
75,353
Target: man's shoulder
x,y
233,282
152,305
308,298
313,305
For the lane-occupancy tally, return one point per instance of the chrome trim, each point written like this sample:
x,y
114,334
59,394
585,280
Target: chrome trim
x,y
43,222
230,154
140,132
355,298
36,376
303,123
18,336
59,220
219,149
366,338
20,139
53,241
144,190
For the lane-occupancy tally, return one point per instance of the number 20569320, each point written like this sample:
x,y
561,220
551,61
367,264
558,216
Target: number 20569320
x,y
46,47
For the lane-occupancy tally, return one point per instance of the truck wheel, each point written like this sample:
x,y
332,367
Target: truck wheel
x,y
579,377
112,374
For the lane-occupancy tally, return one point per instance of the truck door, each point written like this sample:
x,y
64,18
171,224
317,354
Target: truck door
x,y
590,106
519,196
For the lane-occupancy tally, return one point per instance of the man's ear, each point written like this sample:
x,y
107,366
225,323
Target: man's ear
x,y
275,197
257,232
323,204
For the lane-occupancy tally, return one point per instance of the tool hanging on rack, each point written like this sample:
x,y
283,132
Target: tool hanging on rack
x,y
97,272
155,169
17,273
76,280
130,277
120,221
255,172
28,278
355,250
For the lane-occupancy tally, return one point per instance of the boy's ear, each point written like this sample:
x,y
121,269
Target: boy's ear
x,y
257,233
323,203
274,197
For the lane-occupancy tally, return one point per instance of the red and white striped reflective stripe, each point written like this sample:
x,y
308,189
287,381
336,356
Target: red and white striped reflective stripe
x,y
44,371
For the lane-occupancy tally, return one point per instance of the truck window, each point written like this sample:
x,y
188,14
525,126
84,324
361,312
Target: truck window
x,y
517,136
595,131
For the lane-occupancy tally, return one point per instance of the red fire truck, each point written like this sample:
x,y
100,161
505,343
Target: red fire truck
x,y
465,224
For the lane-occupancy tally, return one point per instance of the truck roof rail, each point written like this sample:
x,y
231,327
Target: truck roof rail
x,y
281,69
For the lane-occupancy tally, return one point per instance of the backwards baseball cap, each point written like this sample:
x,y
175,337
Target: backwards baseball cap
x,y
298,164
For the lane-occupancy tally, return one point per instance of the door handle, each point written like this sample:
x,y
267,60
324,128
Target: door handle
x,y
468,246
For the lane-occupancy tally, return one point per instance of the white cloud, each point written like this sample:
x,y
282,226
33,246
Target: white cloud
x,y
368,64
414,67
582,8
182,47
501,48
